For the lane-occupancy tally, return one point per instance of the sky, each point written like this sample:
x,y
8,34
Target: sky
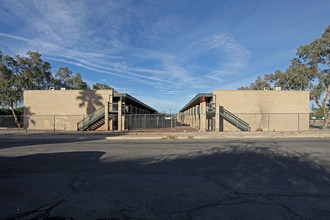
x,y
163,52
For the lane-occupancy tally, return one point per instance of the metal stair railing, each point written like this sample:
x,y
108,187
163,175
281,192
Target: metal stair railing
x,y
210,107
233,119
90,119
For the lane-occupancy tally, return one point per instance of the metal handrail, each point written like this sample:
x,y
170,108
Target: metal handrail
x,y
91,118
210,107
235,117
225,111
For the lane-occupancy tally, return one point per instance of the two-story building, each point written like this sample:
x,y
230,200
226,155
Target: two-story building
x,y
82,110
248,110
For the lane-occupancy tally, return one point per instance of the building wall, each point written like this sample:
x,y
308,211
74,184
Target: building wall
x,y
266,110
61,109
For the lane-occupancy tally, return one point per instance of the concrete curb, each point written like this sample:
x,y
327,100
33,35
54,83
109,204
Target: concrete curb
x,y
171,135
217,136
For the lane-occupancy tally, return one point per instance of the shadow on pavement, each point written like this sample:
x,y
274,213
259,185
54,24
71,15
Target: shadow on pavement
x,y
223,183
17,140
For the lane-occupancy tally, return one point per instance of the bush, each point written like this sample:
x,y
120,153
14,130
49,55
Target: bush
x,y
6,111
19,111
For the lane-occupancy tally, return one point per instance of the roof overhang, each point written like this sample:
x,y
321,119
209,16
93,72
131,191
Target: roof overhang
x,y
197,100
134,101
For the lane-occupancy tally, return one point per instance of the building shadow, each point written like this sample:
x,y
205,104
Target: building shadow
x,y
249,181
28,117
20,138
90,100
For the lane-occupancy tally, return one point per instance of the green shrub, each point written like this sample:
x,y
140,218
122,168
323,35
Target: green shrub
x,y
6,111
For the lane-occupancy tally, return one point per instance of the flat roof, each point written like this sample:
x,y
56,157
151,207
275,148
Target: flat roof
x,y
196,100
134,100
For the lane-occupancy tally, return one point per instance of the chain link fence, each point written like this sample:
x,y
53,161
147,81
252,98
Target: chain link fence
x,y
8,121
155,123
258,122
69,122
267,122
42,122
149,121
276,121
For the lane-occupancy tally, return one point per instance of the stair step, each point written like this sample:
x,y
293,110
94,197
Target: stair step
x,y
96,124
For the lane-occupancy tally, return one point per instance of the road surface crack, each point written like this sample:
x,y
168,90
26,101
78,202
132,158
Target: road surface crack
x,y
43,212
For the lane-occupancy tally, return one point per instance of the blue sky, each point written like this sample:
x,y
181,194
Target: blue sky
x,y
163,52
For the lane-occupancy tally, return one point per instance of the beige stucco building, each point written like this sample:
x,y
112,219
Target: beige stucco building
x,y
222,110
81,110
248,110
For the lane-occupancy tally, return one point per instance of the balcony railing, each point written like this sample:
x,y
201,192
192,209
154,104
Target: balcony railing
x,y
113,107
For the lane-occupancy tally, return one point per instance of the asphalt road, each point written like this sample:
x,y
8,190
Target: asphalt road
x,y
73,177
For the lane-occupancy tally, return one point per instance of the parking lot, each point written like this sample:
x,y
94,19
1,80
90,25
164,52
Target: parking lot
x,y
79,177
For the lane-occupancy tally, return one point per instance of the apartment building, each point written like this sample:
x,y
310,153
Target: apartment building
x,y
248,110
81,110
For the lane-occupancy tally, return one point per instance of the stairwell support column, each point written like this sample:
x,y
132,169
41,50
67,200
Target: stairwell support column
x,y
191,117
106,116
120,115
111,109
193,121
203,116
217,117
123,117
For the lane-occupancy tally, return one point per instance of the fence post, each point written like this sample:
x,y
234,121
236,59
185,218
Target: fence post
x,y
298,122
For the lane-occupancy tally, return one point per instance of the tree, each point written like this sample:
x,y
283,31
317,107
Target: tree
x,y
78,83
244,88
99,86
21,73
314,111
311,71
318,112
65,78
259,84
277,79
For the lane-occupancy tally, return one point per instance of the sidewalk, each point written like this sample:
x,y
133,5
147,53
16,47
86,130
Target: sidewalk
x,y
168,135
220,135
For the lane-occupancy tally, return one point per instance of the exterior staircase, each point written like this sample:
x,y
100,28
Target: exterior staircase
x,y
96,125
234,120
92,121
97,119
